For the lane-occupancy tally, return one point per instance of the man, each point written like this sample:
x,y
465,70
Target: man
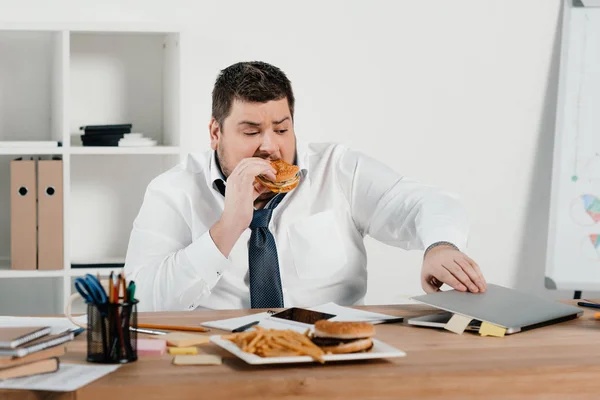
x,y
209,235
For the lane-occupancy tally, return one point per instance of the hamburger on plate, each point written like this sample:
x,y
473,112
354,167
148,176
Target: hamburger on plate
x,y
343,337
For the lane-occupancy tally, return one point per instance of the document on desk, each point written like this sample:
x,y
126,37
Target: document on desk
x,y
68,378
232,323
58,324
267,321
354,315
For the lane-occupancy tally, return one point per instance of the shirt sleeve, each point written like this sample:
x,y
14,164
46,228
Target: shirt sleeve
x,y
397,210
172,270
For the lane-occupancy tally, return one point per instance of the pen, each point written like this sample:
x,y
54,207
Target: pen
x,y
591,305
173,327
148,331
244,327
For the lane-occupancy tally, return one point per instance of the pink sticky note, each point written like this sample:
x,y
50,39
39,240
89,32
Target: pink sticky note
x,y
151,347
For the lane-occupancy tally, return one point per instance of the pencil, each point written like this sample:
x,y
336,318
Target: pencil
x,y
173,327
124,288
110,288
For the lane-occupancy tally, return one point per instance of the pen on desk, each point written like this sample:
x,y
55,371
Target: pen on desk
x,y
148,331
244,327
591,305
173,327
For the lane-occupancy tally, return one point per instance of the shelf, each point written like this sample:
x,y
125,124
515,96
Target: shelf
x,y
93,150
6,272
30,150
95,27
102,271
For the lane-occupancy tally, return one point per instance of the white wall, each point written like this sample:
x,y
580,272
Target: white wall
x,y
459,93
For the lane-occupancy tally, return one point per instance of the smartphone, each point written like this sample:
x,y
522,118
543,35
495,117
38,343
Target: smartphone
x,y
302,315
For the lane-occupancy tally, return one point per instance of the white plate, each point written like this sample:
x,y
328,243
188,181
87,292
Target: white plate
x,y
379,350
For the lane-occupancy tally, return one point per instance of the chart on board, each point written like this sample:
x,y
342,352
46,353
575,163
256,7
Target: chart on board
x,y
573,255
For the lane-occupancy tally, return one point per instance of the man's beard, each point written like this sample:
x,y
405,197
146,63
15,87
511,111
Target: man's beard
x,y
223,163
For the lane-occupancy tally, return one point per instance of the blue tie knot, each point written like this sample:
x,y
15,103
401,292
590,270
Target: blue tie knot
x,y
261,218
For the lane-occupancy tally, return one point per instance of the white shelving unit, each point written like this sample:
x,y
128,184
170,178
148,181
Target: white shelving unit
x,y
56,78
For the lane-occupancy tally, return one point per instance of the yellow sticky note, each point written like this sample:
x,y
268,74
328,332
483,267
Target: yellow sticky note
x,y
458,323
201,359
183,350
183,339
488,329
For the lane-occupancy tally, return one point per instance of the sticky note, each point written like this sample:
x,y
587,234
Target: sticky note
x,y
183,350
183,339
201,359
458,323
488,329
151,347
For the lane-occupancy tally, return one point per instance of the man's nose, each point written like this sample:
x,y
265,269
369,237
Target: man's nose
x,y
269,142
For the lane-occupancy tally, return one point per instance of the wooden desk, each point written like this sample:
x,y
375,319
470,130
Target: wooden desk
x,y
555,362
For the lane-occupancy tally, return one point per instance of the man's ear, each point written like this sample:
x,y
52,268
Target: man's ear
x,y
214,130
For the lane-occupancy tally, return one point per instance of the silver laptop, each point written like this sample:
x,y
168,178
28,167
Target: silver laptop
x,y
514,310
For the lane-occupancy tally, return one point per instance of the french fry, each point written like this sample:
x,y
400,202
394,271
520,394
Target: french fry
x,y
276,343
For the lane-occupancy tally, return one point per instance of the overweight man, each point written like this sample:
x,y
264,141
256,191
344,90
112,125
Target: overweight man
x,y
209,235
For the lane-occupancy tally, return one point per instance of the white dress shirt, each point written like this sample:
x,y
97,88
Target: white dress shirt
x,y
319,229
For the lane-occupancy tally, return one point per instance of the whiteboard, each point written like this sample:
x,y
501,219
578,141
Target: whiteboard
x,y
573,254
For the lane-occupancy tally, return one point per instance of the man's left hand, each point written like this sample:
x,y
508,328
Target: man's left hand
x,y
445,264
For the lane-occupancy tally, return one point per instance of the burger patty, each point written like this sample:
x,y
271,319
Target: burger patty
x,y
326,341
283,183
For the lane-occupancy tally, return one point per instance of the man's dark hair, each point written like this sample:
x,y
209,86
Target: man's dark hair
x,y
254,81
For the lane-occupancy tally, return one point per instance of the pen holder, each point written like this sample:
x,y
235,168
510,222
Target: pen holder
x,y
109,339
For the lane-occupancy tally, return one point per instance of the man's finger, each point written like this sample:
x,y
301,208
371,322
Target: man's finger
x,y
477,269
429,286
470,271
258,189
252,165
255,169
443,275
459,274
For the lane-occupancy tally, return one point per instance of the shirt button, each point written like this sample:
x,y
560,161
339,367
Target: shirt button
x,y
284,290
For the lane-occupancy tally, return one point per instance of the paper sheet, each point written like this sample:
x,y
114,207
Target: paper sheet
x,y
458,323
58,324
341,314
350,314
69,377
232,323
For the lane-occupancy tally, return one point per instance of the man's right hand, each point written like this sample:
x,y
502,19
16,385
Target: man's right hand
x,y
242,191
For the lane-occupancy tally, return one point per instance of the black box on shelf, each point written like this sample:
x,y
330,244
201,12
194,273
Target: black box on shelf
x,y
106,129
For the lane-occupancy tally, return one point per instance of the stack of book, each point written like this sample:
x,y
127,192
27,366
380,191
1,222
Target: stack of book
x,y
30,351
113,135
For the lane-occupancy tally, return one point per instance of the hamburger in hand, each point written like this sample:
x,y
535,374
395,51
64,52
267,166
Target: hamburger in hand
x,y
343,337
286,179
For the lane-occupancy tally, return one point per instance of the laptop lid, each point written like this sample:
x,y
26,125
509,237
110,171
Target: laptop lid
x,y
508,308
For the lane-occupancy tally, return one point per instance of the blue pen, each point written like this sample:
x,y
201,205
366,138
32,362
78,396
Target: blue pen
x,y
585,304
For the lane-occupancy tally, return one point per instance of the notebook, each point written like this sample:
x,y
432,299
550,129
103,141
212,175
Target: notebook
x,y
38,345
15,336
9,362
34,368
